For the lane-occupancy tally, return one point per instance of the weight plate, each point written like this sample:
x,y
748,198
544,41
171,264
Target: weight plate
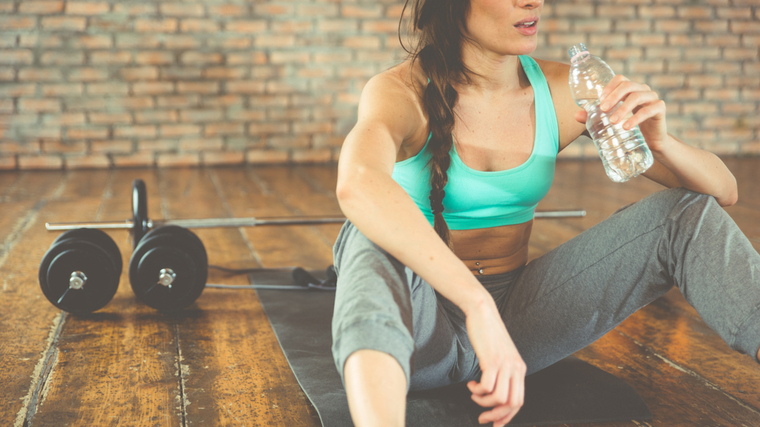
x,y
92,261
183,235
168,250
139,211
99,238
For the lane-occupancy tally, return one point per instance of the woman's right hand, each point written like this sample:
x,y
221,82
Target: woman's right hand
x,y
502,383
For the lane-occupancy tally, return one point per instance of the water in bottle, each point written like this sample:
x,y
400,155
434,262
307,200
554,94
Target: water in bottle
x,y
624,153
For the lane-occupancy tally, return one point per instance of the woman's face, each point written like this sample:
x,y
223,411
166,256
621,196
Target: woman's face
x,y
506,27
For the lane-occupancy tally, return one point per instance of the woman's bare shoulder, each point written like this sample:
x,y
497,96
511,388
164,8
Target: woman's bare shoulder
x,y
393,97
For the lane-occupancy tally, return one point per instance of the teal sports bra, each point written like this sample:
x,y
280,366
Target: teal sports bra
x,y
478,199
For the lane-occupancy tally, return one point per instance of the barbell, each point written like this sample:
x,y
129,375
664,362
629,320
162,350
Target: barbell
x,y
168,268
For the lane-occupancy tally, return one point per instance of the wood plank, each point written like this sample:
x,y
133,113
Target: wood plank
x,y
29,324
117,366
675,397
234,372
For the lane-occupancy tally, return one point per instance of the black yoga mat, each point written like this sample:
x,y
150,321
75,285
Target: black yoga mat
x,y
569,391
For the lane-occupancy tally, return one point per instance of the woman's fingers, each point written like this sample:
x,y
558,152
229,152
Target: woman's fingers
x,y
486,384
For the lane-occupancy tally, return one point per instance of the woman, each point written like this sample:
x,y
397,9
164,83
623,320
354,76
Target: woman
x,y
451,152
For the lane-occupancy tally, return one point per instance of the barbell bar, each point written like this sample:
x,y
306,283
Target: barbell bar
x,y
140,223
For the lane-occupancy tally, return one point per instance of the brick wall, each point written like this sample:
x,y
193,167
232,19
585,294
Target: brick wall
x,y
91,84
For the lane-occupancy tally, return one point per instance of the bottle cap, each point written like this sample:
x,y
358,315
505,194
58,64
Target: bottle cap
x,y
577,51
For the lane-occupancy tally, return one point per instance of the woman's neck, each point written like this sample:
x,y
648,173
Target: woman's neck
x,y
492,73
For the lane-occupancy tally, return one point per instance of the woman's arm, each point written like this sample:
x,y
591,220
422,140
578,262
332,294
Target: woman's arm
x,y
380,208
677,164
384,213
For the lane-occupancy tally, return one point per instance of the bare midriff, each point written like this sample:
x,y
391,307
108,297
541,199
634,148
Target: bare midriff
x,y
493,250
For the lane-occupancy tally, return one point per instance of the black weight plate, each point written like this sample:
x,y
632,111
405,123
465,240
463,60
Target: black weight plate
x,y
167,251
99,238
139,211
68,256
183,235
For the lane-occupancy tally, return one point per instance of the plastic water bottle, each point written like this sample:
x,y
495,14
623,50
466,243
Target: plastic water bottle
x,y
624,153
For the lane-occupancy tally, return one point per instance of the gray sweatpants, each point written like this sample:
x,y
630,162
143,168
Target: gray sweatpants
x,y
561,302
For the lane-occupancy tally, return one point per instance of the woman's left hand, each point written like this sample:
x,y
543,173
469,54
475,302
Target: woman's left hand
x,y
647,108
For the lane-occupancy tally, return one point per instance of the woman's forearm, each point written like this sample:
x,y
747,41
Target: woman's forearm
x,y
698,170
385,214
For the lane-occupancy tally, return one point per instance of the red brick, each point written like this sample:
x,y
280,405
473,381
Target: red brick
x,y
57,146
214,158
266,156
40,162
15,147
87,132
111,58
312,156
156,116
132,102
246,115
695,12
200,144
742,81
245,86
135,9
198,87
246,26
86,8
394,11
180,41
178,101
200,116
88,75
272,9
92,161
722,148
115,88
199,26
702,53
596,25
262,41
292,26
67,23
616,11
110,118
152,88
168,25
16,57
112,146
180,9
750,94
39,105
574,10
734,12
712,26
723,68
137,131
318,9
154,58
201,58
232,43
736,108
135,160
39,74
608,40
622,53
155,145
289,57
6,7
223,128
700,108
362,42
17,23
247,58
169,160
139,73
338,25
40,7
15,90
36,131
56,90
657,11
741,27
179,130
227,10
737,54
705,81
268,128
223,101
355,11
6,106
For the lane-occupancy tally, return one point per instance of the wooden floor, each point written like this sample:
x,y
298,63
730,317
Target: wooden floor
x,y
219,362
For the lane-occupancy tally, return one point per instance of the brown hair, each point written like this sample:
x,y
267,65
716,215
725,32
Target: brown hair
x,y
439,26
